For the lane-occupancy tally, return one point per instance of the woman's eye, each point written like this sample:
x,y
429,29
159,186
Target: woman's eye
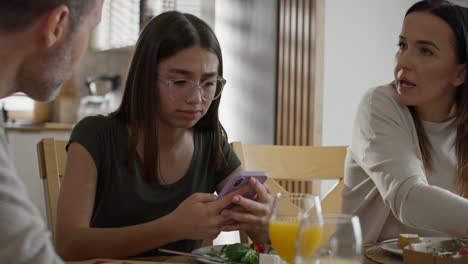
x,y
401,45
426,52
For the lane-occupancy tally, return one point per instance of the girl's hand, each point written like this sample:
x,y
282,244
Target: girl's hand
x,y
195,219
251,216
199,216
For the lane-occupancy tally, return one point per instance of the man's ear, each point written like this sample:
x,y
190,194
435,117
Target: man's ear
x,y
55,25
460,78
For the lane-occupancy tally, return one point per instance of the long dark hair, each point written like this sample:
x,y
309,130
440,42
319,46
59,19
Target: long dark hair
x,y
457,18
164,36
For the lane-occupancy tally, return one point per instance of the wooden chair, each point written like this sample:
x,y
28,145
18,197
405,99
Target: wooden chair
x,y
52,156
293,168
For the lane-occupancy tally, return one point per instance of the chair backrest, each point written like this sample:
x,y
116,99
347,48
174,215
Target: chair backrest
x,y
52,156
292,168
299,165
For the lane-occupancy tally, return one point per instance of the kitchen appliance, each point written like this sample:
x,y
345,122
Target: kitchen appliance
x,y
104,96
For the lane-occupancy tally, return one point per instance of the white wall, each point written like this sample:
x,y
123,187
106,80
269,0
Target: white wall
x,y
360,42
246,30
248,42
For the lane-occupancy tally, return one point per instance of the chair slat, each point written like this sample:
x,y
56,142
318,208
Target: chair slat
x,y
52,158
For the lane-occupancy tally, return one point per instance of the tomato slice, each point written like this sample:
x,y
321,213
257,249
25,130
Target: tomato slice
x,y
258,246
463,251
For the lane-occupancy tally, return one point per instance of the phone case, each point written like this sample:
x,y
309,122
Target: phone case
x,y
242,178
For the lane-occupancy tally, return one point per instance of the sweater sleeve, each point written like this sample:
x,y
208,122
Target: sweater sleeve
x,y
384,147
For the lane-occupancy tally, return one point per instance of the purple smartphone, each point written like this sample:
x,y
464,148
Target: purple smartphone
x,y
240,179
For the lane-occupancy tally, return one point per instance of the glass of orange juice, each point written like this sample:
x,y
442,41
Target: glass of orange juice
x,y
288,211
340,241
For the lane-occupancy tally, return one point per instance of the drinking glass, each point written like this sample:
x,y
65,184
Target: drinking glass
x,y
340,243
288,210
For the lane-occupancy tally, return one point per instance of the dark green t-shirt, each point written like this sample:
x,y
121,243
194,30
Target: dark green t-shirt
x,y
124,197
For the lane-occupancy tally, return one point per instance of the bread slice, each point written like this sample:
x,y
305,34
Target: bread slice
x,y
406,239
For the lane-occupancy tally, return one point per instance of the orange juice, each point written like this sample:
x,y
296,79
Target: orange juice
x,y
283,234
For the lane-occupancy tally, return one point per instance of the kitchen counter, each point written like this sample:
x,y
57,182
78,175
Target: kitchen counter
x,y
39,127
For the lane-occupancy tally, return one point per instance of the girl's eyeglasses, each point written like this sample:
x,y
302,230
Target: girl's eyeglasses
x,y
209,89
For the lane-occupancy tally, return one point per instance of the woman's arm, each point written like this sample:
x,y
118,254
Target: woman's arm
x,y
384,146
431,207
77,240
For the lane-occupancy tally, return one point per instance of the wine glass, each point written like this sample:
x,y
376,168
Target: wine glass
x,y
341,240
288,210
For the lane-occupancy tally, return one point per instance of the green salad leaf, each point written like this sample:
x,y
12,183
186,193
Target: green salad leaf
x,y
251,257
237,253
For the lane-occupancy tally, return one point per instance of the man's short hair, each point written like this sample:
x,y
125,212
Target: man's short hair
x,y
16,15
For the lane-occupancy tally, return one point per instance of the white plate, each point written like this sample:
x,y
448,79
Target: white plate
x,y
206,250
391,244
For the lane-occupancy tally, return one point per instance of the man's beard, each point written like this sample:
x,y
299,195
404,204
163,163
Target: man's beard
x,y
41,81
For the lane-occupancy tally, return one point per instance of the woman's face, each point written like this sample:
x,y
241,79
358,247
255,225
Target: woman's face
x,y
183,108
426,71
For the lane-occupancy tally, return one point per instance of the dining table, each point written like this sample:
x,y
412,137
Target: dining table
x,y
373,255
155,260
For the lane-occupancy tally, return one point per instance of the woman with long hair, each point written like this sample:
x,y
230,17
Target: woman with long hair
x,y
407,166
144,176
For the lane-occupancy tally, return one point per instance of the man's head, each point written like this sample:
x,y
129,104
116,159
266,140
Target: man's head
x,y
46,38
17,15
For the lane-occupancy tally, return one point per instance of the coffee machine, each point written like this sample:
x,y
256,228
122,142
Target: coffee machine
x,y
104,95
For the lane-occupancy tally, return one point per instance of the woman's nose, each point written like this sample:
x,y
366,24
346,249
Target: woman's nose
x,y
404,61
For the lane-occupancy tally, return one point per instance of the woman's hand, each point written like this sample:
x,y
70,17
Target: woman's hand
x,y
249,215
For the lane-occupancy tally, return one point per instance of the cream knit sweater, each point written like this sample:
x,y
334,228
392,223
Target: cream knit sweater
x,y
387,185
